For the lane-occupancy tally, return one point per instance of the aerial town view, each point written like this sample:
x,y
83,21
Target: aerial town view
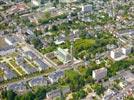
x,y
66,49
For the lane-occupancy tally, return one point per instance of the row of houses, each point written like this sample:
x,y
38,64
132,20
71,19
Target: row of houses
x,y
20,60
37,81
58,93
39,62
24,66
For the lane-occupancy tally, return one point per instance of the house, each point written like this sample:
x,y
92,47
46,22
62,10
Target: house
x,y
29,32
74,35
17,87
19,60
54,93
39,81
60,39
68,1
111,46
41,65
127,76
7,50
57,93
108,94
30,55
27,69
55,76
11,40
86,8
99,74
66,90
8,74
63,55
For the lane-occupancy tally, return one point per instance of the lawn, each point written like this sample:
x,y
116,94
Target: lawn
x,y
71,74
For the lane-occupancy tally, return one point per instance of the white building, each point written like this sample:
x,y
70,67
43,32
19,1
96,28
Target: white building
x,y
99,74
108,94
86,8
127,50
63,55
117,54
68,1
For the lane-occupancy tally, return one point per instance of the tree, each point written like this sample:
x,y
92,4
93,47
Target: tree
x,y
79,95
47,14
98,88
4,94
82,94
40,93
11,95
28,96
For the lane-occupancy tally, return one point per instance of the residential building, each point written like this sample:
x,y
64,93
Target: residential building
x,y
63,56
66,90
99,74
8,73
117,54
17,87
60,39
68,1
127,76
11,40
19,60
27,69
41,65
127,50
55,76
7,50
108,94
38,2
53,94
30,55
39,81
86,8
57,93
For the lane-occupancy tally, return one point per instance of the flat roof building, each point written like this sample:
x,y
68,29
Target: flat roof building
x,y
86,8
117,54
99,74
63,56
